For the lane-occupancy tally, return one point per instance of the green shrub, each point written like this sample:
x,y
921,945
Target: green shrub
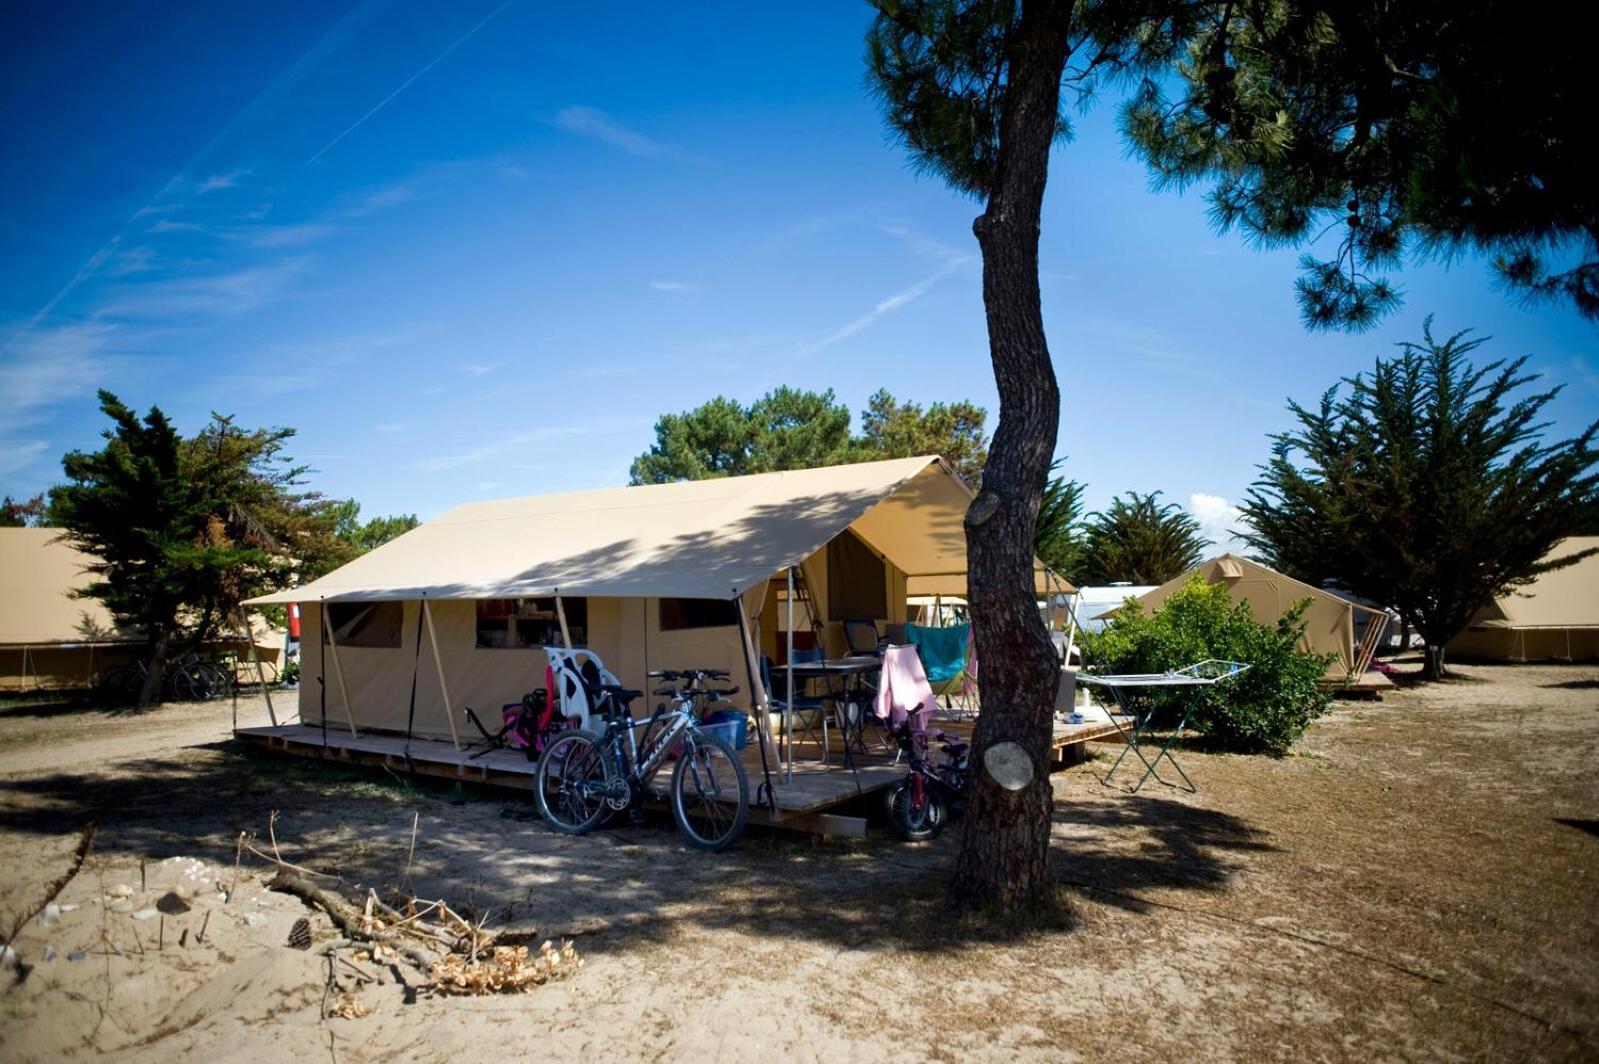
x,y
1262,711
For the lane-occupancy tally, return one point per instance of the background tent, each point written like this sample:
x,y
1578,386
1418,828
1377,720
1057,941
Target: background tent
x,y
1330,621
678,575
1556,617
48,639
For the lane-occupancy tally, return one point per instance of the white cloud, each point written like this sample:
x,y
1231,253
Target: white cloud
x,y
217,182
925,245
282,236
675,286
1585,373
496,451
597,125
480,369
19,455
51,365
1219,521
224,293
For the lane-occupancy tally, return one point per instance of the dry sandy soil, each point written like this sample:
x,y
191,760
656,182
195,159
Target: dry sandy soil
x,y
1415,882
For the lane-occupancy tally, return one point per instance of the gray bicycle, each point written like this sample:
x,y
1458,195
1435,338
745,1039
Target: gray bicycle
x,y
582,777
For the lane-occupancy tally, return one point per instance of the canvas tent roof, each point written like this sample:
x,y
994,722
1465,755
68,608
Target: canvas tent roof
x,y
1561,598
697,539
38,573
1329,621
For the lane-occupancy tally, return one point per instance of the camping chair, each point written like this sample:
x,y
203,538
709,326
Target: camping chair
x,y
903,692
860,635
948,655
809,713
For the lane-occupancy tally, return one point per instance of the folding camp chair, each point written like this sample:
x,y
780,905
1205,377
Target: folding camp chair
x,y
860,634
810,713
947,654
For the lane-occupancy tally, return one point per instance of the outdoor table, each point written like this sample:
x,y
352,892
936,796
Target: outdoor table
x,y
853,696
1198,675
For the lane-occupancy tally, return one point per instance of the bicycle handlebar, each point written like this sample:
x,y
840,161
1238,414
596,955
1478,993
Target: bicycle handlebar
x,y
688,674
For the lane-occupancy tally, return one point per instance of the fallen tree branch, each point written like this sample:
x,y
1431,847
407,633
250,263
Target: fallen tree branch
x,y
346,917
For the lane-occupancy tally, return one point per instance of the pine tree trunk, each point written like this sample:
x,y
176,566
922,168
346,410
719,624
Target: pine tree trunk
x,y
150,694
1004,851
1433,668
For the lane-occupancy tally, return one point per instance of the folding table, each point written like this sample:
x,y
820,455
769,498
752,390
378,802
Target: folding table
x,y
1198,675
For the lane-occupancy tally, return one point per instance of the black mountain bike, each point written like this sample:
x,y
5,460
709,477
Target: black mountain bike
x,y
582,778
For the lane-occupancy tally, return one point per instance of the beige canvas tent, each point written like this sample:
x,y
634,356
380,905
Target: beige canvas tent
x,y
654,576
1331,623
50,640
1555,618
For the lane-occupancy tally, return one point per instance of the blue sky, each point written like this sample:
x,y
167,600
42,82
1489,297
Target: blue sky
x,y
473,250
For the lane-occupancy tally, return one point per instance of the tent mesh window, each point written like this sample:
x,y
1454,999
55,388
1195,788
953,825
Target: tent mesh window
x,y
680,614
530,622
857,582
366,624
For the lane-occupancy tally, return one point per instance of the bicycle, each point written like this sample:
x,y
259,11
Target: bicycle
x,y
919,806
582,777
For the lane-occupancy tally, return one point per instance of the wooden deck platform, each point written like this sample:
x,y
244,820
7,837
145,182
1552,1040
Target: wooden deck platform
x,y
808,802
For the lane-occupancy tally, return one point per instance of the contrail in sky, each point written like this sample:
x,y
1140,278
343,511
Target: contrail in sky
x,y
407,82
312,58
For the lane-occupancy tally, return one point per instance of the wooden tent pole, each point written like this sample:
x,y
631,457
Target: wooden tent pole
x,y
788,701
255,659
560,613
438,663
338,674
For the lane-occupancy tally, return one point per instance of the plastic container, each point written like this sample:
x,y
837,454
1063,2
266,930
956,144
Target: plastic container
x,y
731,726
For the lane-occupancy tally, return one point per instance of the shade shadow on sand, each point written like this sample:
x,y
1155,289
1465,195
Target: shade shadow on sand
x,y
621,883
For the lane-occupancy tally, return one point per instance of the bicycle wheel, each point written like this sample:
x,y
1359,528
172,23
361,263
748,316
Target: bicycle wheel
x,y
569,783
710,793
910,823
117,685
220,678
185,684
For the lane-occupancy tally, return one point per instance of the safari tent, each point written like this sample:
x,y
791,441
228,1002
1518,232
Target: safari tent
x,y
50,640
1333,625
679,575
1554,618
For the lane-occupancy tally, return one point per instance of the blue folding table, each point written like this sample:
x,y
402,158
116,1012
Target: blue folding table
x,y
1198,675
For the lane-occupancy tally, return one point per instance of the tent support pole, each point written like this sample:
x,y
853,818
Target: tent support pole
x,y
760,702
438,663
260,673
338,674
788,702
560,613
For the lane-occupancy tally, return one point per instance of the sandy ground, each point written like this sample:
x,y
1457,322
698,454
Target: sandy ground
x,y
1415,882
